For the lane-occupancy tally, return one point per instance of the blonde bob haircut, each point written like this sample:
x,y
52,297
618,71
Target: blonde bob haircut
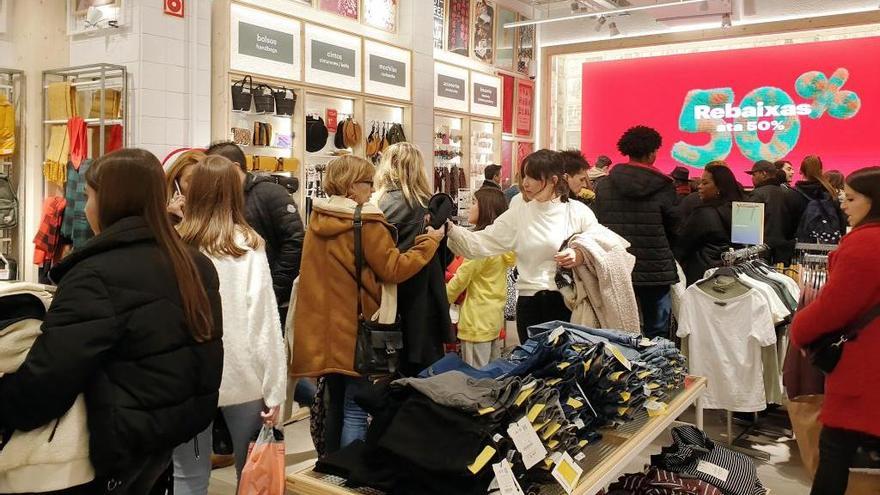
x,y
344,172
215,210
403,168
183,162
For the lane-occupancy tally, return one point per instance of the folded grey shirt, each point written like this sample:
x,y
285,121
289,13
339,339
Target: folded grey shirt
x,y
459,391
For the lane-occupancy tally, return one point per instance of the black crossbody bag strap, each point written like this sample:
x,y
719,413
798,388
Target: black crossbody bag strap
x,y
359,258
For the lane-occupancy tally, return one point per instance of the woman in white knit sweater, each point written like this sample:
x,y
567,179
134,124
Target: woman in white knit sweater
x,y
254,366
534,227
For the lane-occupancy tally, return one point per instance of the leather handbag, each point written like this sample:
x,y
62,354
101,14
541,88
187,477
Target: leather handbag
x,y
378,346
285,101
826,352
241,137
241,95
264,99
352,134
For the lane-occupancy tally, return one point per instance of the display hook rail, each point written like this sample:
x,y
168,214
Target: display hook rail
x,y
732,256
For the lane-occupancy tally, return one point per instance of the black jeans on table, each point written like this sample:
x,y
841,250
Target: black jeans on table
x,y
139,479
837,449
544,306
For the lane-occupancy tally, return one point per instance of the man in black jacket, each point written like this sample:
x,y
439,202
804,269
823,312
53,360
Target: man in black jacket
x,y
271,211
780,222
492,173
638,202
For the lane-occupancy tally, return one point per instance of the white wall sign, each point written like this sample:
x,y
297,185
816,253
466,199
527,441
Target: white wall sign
x,y
333,58
264,43
387,71
451,88
485,95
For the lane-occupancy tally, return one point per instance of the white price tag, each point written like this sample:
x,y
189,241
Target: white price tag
x,y
567,472
506,480
526,440
579,423
555,334
713,470
5,274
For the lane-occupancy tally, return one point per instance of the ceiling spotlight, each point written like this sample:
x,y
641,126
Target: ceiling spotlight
x,y
725,21
600,23
612,28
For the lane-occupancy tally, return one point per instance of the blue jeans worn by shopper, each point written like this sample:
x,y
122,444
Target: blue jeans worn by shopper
x,y
191,472
656,306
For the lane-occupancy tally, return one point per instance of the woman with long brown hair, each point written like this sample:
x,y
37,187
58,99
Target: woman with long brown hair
x,y
254,375
178,178
135,326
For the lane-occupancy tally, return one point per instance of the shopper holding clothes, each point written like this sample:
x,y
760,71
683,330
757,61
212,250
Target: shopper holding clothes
x,y
485,282
177,181
851,430
534,228
815,187
254,372
637,201
706,233
135,325
403,195
326,319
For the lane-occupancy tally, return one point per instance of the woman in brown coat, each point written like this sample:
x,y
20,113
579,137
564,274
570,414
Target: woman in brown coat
x,y
325,319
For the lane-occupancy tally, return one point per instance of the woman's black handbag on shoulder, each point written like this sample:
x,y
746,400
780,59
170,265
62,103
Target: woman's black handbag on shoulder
x,y
378,346
826,352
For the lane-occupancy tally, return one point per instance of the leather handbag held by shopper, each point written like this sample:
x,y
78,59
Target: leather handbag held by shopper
x,y
378,345
241,95
826,352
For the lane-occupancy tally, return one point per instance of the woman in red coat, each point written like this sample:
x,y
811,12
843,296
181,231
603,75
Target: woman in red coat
x,y
851,412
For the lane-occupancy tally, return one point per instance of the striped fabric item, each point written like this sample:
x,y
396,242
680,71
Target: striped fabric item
x,y
659,482
694,454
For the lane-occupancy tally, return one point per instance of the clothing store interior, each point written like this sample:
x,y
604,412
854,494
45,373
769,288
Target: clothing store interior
x,y
439,247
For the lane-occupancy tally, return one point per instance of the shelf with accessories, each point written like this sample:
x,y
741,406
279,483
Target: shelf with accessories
x,y
12,179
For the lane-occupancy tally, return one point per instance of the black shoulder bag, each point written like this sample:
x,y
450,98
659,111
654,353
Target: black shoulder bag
x,y
378,346
826,352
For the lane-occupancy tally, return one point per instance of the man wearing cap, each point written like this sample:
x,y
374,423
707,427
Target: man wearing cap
x,y
780,224
681,176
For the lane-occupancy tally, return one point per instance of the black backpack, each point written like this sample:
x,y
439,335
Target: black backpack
x,y
820,222
8,204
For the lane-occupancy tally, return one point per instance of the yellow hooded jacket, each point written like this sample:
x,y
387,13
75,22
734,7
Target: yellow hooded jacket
x,y
485,280
7,127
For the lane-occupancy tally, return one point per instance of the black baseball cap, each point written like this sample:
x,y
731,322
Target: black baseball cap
x,y
762,166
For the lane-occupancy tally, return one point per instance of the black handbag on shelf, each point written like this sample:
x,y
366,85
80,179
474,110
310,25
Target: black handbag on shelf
x,y
264,99
241,95
285,101
378,346
826,352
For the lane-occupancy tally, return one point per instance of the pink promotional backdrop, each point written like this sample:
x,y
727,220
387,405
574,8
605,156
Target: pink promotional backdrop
x,y
839,80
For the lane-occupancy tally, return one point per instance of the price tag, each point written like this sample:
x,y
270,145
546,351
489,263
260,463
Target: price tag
x,y
506,480
482,459
713,470
615,351
579,423
527,442
555,334
567,472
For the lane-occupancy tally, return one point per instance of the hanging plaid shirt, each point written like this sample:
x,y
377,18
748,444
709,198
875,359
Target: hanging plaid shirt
x,y
75,225
46,241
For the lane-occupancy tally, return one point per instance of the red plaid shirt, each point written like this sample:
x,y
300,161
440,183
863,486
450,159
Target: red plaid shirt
x,y
46,240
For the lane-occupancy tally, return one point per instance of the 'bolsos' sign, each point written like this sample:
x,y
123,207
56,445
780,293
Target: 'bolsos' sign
x,y
742,106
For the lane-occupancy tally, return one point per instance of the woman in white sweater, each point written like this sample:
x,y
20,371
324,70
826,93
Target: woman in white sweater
x,y
254,366
534,227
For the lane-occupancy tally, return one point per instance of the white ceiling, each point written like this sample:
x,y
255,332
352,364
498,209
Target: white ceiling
x,y
681,18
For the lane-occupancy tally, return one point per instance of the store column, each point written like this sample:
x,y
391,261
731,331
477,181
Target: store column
x,y
423,86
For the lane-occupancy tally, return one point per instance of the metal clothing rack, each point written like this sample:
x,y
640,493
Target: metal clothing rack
x,y
732,257
12,85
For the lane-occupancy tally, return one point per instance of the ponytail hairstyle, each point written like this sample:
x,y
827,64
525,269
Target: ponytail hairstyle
x,y
402,167
811,169
130,183
544,165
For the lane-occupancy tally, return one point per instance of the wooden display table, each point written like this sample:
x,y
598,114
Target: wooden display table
x,y
604,462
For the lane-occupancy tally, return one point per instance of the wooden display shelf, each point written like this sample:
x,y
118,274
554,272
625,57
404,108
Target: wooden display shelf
x,y
603,464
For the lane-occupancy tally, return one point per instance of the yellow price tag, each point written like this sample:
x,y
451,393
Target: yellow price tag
x,y
482,459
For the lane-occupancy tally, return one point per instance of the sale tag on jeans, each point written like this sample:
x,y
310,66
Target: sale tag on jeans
x,y
526,440
506,480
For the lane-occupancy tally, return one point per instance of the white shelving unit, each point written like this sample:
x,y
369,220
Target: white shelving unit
x,y
12,86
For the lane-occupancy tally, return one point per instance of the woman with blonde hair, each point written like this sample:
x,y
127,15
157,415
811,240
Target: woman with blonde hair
x,y
403,196
325,317
815,187
254,379
177,180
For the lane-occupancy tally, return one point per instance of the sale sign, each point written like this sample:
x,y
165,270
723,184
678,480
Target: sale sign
x,y
525,93
741,106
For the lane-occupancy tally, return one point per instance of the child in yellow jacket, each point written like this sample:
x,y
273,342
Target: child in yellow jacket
x,y
485,280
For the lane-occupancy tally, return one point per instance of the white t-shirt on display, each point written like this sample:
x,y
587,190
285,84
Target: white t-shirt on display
x,y
777,308
725,341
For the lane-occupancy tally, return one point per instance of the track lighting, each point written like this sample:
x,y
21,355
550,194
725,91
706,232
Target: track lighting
x,y
612,28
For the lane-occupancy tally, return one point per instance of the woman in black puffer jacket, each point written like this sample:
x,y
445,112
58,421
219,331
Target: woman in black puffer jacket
x,y
705,234
135,325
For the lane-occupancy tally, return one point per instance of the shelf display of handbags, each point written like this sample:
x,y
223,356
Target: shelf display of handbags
x,y
264,99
